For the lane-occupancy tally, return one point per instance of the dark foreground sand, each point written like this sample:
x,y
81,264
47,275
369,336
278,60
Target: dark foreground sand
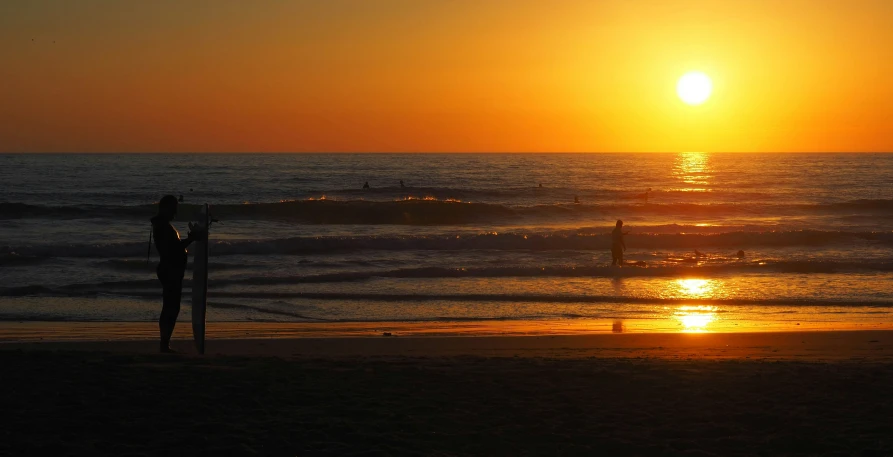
x,y
827,393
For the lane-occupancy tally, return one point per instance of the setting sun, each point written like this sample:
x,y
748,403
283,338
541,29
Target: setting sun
x,y
694,88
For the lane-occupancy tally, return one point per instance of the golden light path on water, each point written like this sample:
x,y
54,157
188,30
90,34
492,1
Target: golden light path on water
x,y
694,170
695,318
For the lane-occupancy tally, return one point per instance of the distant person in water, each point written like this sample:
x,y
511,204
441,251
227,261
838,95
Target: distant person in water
x,y
541,185
366,186
171,267
576,199
180,199
401,185
617,244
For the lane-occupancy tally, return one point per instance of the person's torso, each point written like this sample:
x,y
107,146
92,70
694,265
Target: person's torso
x,y
616,236
167,243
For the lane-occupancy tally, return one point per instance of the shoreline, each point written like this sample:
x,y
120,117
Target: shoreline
x,y
351,340
12,331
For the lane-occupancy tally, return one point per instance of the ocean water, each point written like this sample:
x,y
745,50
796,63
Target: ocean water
x,y
490,237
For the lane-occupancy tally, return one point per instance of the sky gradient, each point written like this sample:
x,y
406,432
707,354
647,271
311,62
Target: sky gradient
x,y
443,76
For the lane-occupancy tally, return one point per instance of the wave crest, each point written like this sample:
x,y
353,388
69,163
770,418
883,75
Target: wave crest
x,y
483,241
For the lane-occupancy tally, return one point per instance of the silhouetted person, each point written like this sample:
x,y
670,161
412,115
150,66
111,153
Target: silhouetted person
x,y
541,185
576,199
180,199
366,186
401,185
171,267
617,244
741,254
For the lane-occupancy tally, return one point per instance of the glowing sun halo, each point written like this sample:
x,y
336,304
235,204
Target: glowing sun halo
x,y
694,88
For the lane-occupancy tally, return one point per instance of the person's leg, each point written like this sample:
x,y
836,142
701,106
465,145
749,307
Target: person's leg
x,y
165,298
169,311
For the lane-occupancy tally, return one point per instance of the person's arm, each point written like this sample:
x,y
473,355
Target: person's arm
x,y
169,243
193,235
190,237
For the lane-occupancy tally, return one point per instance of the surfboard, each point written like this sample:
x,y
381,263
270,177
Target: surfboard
x,y
200,278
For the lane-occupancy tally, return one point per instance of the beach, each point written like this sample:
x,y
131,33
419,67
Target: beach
x,y
758,393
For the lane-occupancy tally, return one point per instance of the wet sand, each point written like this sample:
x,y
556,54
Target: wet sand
x,y
795,393
438,340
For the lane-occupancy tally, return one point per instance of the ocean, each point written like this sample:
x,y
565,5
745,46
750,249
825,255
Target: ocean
x,y
471,237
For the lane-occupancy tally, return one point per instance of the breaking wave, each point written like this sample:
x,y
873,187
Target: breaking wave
x,y
657,270
482,241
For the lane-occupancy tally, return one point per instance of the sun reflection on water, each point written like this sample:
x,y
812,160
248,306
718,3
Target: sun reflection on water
x,y
699,288
694,169
695,318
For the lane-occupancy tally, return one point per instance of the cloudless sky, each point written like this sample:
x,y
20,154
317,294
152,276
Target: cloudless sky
x,y
444,75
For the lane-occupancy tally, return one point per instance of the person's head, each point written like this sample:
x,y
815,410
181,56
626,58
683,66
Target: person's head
x,y
619,223
167,207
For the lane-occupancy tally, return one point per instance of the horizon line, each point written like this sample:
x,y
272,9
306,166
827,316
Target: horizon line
x,y
432,152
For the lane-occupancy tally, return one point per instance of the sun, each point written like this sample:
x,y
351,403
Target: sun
x,y
694,88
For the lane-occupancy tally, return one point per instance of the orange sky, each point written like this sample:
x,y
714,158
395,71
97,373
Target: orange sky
x,y
438,75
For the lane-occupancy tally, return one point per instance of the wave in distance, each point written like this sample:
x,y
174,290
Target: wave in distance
x,y
438,212
732,241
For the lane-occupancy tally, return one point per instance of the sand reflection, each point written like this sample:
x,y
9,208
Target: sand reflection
x,y
695,318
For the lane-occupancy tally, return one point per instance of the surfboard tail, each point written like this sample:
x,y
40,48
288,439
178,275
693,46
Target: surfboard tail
x,y
200,281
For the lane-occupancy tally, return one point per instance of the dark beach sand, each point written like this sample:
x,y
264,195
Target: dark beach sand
x,y
806,393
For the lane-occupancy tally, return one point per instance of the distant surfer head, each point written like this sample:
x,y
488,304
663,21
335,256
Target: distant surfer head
x,y
167,207
619,223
